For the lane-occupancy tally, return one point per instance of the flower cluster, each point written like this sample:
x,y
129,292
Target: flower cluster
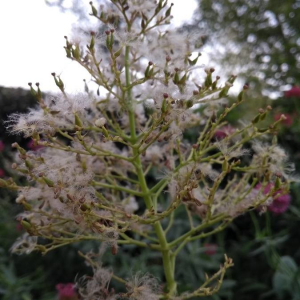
x,y
118,161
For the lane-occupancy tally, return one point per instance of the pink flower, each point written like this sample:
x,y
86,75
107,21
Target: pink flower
x,y
19,227
287,122
66,291
293,92
210,249
223,132
32,146
2,173
280,202
1,146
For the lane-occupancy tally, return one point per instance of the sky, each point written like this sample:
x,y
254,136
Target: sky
x,y
31,35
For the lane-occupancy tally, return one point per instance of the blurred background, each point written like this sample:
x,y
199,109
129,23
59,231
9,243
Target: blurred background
x,y
259,40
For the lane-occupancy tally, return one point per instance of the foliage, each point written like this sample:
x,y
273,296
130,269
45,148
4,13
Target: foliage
x,y
260,37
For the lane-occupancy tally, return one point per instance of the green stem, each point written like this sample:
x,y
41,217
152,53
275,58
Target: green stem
x,y
256,225
165,249
129,96
195,230
117,188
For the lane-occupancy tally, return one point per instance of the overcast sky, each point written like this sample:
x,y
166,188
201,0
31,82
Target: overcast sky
x,y
32,43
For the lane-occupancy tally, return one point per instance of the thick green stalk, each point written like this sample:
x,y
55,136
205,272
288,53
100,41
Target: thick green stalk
x,y
129,96
165,249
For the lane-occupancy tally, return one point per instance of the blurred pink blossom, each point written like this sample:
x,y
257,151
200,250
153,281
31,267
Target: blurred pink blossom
x,y
288,121
19,227
2,173
32,146
224,131
66,291
1,146
280,202
210,249
293,92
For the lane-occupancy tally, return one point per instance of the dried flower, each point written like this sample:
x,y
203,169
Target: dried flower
x,y
142,287
25,244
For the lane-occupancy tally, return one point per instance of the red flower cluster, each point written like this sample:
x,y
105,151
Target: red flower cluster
x,y
66,291
293,92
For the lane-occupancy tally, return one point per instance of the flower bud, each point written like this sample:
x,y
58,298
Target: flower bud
x,y
256,119
78,122
85,207
92,43
283,117
26,206
225,165
28,164
41,248
241,96
94,10
194,61
277,183
48,181
76,52
26,225
168,12
208,80
32,90
21,150
118,53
